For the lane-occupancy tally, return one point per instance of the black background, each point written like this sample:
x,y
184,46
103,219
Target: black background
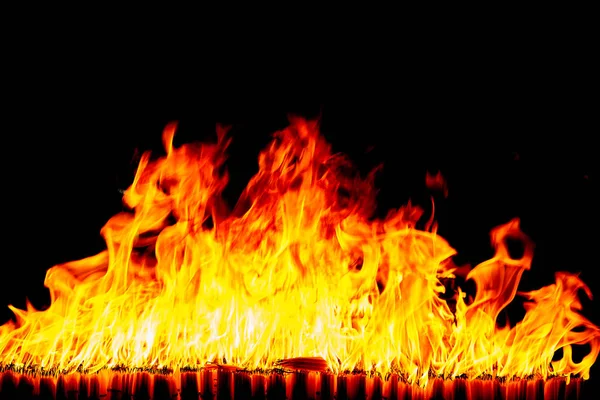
x,y
512,132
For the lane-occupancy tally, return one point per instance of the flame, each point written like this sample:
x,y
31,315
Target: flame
x,y
436,182
298,270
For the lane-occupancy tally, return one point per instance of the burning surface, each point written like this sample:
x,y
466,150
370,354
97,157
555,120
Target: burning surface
x,y
299,271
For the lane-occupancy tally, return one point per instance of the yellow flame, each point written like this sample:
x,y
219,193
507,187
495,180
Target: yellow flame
x,y
298,270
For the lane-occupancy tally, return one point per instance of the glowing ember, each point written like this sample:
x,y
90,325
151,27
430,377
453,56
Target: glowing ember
x,y
298,271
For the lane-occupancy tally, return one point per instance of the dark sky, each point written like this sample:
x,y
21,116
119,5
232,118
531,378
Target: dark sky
x,y
512,142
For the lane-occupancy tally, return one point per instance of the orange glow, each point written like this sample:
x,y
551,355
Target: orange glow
x,y
298,271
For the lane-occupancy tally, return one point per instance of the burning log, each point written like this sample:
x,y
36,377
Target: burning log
x,y
221,384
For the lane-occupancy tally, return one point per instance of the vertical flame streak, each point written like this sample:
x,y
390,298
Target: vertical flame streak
x,y
298,268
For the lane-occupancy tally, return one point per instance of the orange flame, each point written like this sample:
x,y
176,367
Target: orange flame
x,y
299,270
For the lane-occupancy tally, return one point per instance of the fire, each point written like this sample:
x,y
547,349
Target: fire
x,y
298,269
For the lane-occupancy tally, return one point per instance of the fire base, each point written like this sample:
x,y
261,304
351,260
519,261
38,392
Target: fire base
x,y
215,384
